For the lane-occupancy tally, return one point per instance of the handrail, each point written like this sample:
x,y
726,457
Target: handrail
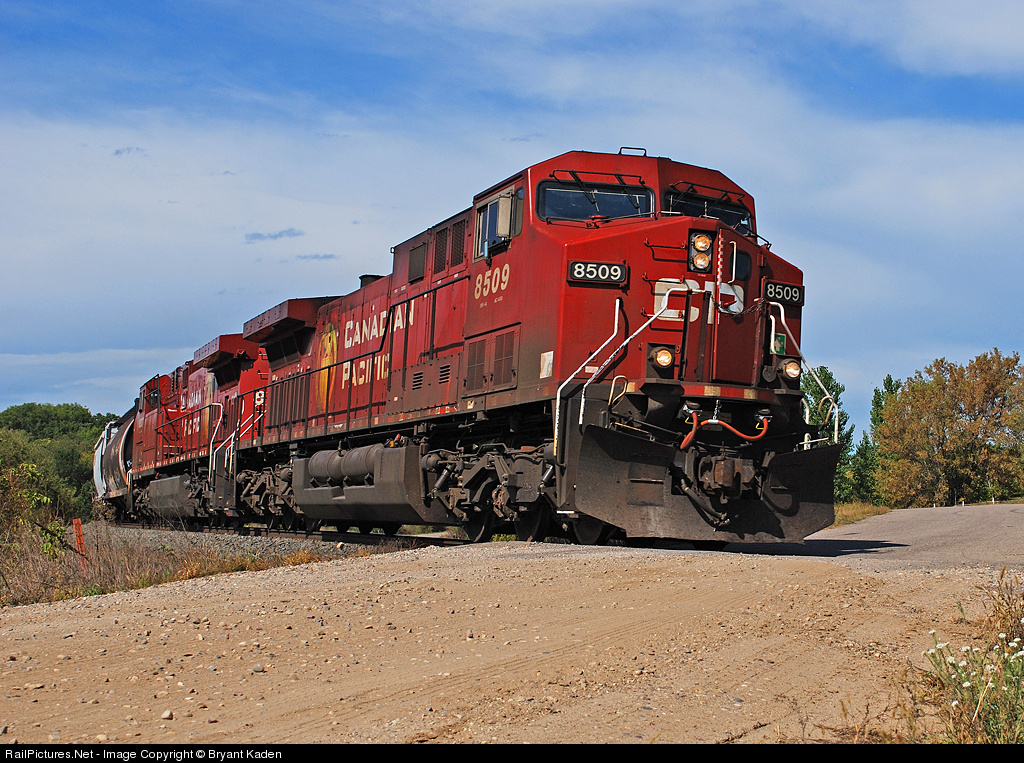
x,y
833,407
174,426
213,436
558,393
385,335
664,302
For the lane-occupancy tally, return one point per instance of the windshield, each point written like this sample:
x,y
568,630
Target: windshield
x,y
695,205
584,201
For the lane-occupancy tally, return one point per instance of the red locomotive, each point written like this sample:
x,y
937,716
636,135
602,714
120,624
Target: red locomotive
x,y
601,344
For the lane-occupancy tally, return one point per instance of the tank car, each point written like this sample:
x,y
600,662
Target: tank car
x,y
600,345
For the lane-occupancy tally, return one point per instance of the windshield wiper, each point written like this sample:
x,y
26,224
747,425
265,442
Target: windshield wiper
x,y
591,196
632,199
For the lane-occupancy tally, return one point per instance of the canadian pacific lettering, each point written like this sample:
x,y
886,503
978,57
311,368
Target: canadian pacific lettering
x,y
372,327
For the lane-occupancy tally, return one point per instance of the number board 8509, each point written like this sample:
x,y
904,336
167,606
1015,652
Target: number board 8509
x,y
598,272
787,293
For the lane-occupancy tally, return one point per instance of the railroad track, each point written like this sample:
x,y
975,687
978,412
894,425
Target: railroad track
x,y
324,535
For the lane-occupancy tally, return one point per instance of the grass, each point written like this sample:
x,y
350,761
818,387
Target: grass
x,y
977,692
37,564
848,513
971,694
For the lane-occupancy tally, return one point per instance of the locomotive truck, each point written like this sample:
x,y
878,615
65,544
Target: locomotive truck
x,y
601,345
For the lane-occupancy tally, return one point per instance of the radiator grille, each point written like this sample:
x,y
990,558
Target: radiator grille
x,y
458,242
440,250
503,357
475,365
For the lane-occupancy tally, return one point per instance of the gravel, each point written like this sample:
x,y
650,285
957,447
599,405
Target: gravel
x,y
180,542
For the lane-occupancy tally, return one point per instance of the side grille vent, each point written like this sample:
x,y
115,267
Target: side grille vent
x,y
458,242
504,344
440,250
475,365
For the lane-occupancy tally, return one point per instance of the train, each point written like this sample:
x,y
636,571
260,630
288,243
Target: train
x,y
601,346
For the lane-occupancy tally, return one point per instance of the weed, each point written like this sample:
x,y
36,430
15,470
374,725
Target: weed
x,y
34,566
978,692
848,513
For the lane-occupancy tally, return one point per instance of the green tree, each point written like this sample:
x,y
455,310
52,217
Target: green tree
x,y
865,457
56,442
48,421
864,464
824,408
953,433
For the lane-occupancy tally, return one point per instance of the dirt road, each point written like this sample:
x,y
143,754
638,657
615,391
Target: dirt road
x,y
506,642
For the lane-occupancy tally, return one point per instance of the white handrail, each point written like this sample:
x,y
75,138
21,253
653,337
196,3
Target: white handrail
x,y
213,437
558,394
583,403
803,360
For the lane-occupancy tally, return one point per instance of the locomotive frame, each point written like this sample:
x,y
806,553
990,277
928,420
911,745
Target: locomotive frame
x,y
600,345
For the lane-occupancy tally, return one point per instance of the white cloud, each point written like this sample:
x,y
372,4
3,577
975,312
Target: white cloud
x,y
105,381
131,232
930,36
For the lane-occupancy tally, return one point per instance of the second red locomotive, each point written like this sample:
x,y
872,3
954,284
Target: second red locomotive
x,y
600,345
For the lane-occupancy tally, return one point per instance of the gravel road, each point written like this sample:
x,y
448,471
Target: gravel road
x,y
512,642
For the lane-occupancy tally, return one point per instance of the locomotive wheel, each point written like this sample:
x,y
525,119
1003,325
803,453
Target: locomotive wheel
x,y
365,529
479,526
390,528
532,525
590,531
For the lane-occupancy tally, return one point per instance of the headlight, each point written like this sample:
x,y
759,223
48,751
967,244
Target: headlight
x,y
791,369
700,251
662,357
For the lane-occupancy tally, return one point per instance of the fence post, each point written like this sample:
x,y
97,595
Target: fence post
x,y
79,542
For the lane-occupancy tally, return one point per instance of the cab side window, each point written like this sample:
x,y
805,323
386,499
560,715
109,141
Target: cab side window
x,y
498,220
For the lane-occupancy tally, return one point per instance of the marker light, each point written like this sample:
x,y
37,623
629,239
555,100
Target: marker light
x,y
791,368
663,357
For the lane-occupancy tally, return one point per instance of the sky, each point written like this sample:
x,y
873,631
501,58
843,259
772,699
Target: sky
x,y
169,170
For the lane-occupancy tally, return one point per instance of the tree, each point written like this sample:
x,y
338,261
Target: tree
x,y
954,433
51,447
47,421
823,412
865,458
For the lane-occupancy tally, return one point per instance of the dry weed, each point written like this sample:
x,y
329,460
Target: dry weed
x,y
40,564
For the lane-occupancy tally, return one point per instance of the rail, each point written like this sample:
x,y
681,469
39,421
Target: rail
x,y
568,381
185,434
304,381
833,409
664,307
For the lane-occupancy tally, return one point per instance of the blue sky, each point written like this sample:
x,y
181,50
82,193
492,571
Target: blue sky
x,y
171,169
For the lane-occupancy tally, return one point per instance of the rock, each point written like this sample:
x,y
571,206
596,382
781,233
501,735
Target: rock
x,y
167,715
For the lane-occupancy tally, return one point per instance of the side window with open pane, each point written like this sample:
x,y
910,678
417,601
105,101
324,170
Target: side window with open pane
x,y
498,220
